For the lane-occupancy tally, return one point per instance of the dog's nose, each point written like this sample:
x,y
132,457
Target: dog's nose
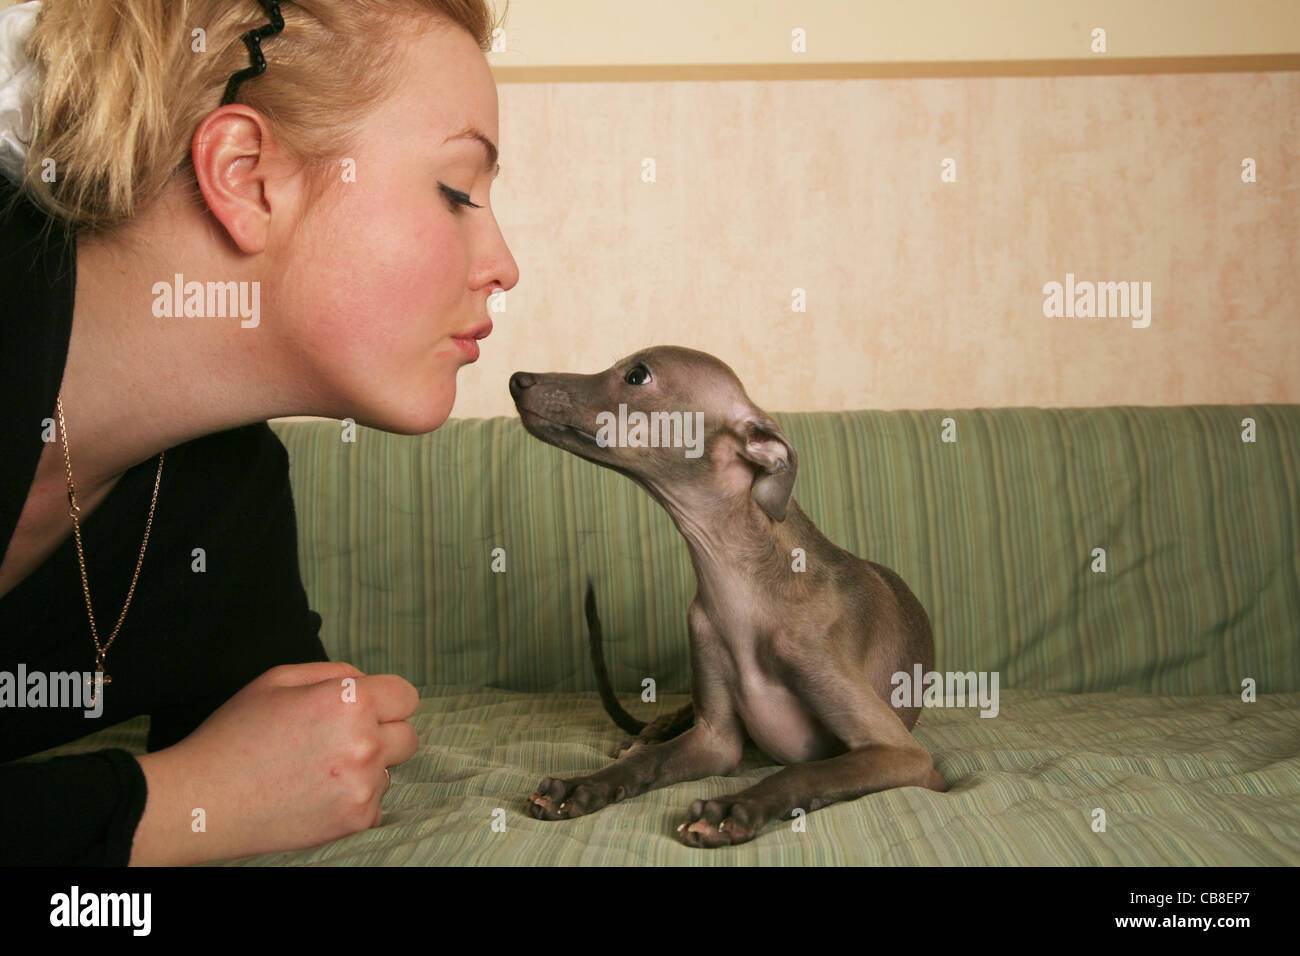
x,y
520,381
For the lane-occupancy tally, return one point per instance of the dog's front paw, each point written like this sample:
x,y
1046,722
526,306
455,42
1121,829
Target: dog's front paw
x,y
720,823
556,799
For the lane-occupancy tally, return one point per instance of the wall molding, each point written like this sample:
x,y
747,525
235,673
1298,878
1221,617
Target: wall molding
x,y
1091,66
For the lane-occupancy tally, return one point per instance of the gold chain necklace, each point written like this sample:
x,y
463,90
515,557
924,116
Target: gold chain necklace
x,y
73,512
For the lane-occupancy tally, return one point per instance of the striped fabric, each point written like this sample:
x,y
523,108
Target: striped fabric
x,y
994,532
1181,781
1121,691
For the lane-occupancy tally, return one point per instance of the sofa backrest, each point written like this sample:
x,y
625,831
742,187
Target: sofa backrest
x,y
996,532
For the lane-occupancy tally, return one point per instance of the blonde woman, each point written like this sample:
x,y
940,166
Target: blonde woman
x,y
339,195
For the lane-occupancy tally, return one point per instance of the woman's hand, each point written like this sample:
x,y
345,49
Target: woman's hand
x,y
295,759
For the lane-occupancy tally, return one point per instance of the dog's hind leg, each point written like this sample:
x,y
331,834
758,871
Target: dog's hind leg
x,y
662,728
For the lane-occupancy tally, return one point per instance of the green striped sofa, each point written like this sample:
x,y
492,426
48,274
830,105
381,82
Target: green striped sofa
x,y
1149,712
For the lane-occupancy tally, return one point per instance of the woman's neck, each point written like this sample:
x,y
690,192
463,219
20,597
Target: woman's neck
x,y
134,383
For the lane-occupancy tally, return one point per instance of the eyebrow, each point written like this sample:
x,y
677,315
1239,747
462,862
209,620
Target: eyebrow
x,y
471,132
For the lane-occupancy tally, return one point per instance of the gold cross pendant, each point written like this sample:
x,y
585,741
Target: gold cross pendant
x,y
103,679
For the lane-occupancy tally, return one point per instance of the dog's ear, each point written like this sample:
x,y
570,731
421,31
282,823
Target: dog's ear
x,y
763,444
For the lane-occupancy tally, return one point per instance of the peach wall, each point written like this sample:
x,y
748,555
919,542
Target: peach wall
x,y
577,33
920,293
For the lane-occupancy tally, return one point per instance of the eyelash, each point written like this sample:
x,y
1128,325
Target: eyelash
x,y
458,198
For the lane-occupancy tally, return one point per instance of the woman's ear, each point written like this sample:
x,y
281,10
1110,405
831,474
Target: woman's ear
x,y
763,444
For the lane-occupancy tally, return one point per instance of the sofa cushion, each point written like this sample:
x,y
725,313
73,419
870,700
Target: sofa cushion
x,y
1183,781
995,533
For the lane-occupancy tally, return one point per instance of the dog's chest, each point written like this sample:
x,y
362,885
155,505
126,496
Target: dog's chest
x,y
775,718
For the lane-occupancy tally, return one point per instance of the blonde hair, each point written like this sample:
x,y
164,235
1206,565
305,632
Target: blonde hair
x,y
122,89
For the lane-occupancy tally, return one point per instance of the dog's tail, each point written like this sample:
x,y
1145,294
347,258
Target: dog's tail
x,y
612,706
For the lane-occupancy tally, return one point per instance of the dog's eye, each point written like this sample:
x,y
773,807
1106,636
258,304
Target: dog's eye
x,y
637,375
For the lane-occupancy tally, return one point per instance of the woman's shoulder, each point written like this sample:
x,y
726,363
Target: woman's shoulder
x,y
37,286
30,238
38,280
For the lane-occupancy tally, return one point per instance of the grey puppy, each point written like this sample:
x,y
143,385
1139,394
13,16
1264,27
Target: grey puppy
x,y
798,661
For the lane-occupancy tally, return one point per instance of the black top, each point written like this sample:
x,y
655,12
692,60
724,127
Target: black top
x,y
190,639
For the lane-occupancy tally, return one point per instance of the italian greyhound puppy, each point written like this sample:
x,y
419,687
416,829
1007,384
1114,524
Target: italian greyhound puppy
x,y
793,640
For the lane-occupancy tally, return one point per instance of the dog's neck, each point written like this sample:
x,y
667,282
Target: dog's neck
x,y
730,533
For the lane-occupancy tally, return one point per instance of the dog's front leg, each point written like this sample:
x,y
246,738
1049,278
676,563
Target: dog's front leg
x,y
712,745
809,786
701,751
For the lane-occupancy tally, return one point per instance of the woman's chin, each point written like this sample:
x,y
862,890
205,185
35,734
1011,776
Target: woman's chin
x,y
422,415
413,404
436,410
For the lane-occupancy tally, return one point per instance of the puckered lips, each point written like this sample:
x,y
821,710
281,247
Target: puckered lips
x,y
467,342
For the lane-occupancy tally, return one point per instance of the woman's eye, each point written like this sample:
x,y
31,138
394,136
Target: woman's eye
x,y
458,198
637,375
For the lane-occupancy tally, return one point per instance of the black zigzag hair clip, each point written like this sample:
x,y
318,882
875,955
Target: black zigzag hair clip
x,y
253,40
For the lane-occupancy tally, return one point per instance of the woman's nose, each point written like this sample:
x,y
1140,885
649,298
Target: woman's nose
x,y
500,264
510,271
